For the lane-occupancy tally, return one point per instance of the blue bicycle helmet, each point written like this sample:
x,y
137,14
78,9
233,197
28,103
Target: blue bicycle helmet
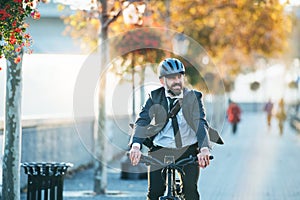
x,y
170,66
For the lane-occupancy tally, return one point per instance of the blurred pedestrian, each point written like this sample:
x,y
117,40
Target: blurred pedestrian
x,y
234,115
281,115
269,109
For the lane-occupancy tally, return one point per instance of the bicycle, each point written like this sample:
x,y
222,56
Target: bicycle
x,y
170,168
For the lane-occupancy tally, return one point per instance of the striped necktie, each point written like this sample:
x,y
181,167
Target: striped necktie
x,y
175,125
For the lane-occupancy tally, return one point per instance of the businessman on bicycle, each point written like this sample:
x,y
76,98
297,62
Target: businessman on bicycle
x,y
167,131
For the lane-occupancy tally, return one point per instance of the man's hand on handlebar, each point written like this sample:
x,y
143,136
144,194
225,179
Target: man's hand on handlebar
x,y
135,155
203,157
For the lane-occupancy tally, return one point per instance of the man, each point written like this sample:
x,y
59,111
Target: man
x,y
156,128
269,110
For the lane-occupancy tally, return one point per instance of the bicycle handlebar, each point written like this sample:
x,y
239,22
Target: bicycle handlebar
x,y
153,161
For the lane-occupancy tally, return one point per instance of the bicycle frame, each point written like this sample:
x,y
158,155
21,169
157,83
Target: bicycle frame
x,y
172,188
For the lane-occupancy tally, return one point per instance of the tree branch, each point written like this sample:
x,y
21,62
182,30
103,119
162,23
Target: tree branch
x,y
111,20
115,17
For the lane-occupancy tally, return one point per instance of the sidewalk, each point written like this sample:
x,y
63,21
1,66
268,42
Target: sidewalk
x,y
255,163
79,186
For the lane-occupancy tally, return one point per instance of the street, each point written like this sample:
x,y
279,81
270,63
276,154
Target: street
x,y
255,163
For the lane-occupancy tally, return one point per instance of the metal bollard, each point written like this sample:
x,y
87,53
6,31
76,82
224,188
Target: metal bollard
x,y
45,180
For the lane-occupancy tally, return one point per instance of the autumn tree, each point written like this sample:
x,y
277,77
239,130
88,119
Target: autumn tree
x,y
234,33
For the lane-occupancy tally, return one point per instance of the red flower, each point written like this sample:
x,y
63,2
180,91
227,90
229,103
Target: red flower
x,y
17,59
30,4
4,14
12,40
0,68
18,30
18,49
27,36
36,15
14,23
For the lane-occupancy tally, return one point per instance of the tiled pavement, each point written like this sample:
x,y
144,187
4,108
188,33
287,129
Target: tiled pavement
x,y
257,163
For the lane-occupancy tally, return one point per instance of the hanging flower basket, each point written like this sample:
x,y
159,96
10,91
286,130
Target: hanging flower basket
x,y
13,36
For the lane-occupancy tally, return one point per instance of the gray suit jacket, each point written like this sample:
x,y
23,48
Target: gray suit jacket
x,y
154,115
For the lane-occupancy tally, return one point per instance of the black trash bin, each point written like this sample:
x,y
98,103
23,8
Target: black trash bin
x,y
45,180
130,172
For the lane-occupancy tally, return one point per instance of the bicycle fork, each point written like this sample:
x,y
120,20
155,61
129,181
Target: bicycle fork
x,y
172,186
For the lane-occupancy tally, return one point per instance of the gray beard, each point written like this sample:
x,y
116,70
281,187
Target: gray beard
x,y
175,94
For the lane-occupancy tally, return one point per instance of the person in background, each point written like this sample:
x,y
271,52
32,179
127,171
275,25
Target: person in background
x,y
234,115
269,110
281,115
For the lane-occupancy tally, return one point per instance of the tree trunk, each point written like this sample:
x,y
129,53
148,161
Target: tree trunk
x,y
133,85
100,174
12,131
142,86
